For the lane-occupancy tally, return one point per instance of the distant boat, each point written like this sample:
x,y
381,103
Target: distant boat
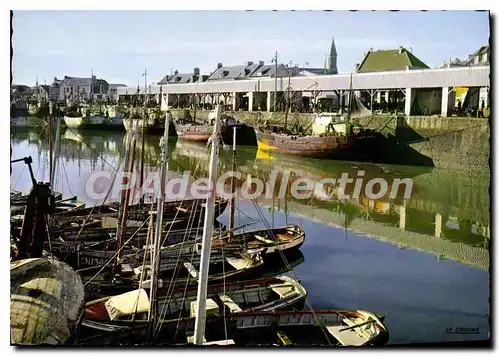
x,y
333,137
82,122
46,301
114,123
190,130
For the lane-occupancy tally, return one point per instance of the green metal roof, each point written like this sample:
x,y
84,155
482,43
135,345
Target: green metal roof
x,y
482,50
387,60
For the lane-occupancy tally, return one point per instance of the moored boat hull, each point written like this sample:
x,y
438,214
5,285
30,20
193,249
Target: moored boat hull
x,y
261,328
201,133
95,122
343,147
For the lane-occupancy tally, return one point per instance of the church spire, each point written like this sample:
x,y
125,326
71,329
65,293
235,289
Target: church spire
x,y
332,59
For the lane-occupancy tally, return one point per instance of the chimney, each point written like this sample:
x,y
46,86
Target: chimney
x,y
357,67
371,49
400,49
249,63
196,71
219,65
176,72
261,63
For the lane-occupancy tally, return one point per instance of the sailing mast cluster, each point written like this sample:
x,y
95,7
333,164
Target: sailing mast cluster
x,y
155,274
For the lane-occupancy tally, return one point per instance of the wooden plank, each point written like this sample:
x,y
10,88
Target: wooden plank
x,y
346,338
283,338
192,271
233,307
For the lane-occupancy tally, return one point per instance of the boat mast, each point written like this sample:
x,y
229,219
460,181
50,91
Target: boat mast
x,y
37,92
160,200
145,74
91,99
349,101
201,299
50,145
123,210
56,145
275,59
232,207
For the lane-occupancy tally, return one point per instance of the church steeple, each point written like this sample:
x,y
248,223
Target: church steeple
x,y
332,59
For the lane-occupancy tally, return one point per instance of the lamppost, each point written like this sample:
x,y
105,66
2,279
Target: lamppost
x,y
275,60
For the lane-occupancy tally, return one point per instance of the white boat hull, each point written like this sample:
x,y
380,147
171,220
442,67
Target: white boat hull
x,y
81,122
73,122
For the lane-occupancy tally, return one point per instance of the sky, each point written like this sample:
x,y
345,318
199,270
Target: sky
x,y
119,45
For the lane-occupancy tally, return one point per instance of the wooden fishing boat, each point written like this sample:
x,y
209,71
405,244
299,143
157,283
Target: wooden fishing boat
x,y
153,125
255,328
227,269
233,297
250,245
114,123
46,301
287,238
106,214
356,144
332,136
95,247
190,130
82,254
193,132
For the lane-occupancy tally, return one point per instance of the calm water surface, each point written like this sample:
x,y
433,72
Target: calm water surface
x,y
422,261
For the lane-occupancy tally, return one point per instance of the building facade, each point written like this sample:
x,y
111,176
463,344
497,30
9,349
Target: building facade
x,y
83,89
113,91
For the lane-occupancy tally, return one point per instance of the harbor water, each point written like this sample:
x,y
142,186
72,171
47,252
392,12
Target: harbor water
x,y
422,260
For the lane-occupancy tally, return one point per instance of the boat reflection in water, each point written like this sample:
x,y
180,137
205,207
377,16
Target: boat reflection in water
x,y
461,223
441,204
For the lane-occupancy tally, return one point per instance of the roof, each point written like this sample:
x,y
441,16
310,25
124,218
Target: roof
x,y
19,87
390,60
313,71
182,78
117,85
482,50
75,81
249,71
